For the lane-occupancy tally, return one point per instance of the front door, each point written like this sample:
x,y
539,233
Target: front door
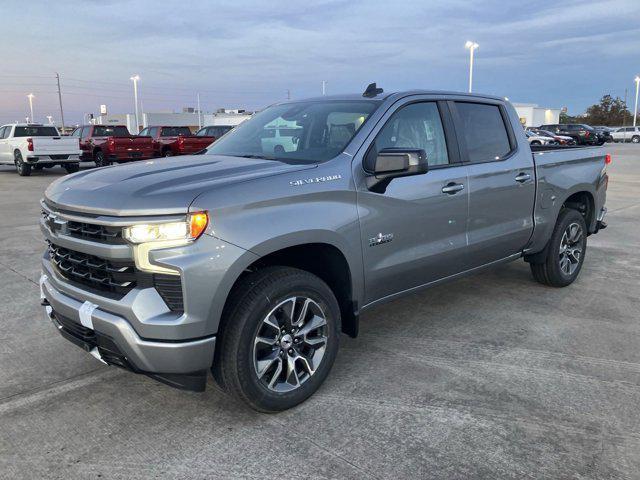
x,y
415,231
501,181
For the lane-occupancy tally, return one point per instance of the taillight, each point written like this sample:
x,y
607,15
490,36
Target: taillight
x,y
30,144
111,144
607,159
586,134
180,142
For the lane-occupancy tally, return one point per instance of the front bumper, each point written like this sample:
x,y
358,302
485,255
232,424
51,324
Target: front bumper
x,y
111,339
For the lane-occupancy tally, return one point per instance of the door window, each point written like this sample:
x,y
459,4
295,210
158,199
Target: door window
x,y
2,130
417,125
484,131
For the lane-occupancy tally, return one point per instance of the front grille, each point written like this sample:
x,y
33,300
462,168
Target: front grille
x,y
84,230
170,289
97,273
95,232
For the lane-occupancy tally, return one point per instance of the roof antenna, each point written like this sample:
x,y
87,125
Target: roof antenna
x,y
372,90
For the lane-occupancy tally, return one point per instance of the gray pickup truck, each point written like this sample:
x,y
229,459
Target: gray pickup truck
x,y
249,259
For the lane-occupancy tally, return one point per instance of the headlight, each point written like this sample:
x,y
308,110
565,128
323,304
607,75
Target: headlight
x,y
189,229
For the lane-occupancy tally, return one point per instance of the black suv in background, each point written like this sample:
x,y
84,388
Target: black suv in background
x,y
581,133
604,133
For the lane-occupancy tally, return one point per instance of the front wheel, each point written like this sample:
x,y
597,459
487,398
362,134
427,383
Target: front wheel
x,y
279,338
635,139
565,251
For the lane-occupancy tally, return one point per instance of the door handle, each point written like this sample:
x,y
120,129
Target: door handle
x,y
523,177
452,188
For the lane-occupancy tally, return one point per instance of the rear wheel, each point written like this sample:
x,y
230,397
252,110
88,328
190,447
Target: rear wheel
x,y
100,159
23,169
565,251
279,338
72,167
167,153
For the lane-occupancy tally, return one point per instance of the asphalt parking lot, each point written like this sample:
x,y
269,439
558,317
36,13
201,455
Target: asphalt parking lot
x,y
493,376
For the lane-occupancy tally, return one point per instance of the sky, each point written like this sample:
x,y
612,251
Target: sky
x,y
249,54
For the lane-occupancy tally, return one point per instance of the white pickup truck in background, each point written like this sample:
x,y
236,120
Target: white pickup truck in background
x,y
35,146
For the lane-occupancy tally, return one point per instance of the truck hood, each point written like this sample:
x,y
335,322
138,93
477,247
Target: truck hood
x,y
156,187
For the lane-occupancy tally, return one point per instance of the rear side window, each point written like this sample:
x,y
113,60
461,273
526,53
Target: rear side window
x,y
36,132
484,131
2,131
107,131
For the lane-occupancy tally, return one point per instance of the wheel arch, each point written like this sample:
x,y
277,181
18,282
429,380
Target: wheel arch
x,y
324,259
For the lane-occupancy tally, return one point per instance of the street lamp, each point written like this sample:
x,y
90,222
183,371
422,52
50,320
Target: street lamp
x,y
471,46
136,79
30,97
635,110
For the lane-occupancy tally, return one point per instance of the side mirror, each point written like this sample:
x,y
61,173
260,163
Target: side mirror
x,y
392,163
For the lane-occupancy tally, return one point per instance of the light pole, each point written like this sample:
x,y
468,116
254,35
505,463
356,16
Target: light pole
x,y
324,87
135,79
30,97
471,46
635,110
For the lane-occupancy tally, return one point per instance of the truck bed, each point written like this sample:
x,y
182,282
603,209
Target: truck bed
x,y
561,170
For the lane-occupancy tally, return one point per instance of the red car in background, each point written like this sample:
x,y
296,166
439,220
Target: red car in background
x,y
105,144
169,141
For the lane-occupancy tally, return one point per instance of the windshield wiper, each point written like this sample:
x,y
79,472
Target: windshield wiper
x,y
252,155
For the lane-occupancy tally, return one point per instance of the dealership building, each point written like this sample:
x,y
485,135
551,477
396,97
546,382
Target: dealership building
x,y
532,115
187,118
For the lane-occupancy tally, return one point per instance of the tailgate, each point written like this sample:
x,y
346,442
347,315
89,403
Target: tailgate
x,y
197,143
133,144
55,145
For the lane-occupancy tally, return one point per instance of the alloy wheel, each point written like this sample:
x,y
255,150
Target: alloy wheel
x,y
571,247
290,344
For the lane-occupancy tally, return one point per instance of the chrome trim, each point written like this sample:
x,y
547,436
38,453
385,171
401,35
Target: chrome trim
x,y
110,221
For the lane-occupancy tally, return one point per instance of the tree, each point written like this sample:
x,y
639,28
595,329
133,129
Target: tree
x,y
610,111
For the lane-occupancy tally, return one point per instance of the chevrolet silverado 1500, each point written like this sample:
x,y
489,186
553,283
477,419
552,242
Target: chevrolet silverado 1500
x,y
170,141
250,262
33,146
106,144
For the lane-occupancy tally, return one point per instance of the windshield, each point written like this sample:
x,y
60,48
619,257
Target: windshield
x,y
36,131
306,131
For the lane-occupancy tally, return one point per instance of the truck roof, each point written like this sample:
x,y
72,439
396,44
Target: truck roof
x,y
399,94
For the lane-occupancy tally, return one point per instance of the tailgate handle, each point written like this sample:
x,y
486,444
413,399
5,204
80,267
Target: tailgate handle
x,y
523,177
452,188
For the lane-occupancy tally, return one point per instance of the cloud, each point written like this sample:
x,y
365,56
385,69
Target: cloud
x,y
248,53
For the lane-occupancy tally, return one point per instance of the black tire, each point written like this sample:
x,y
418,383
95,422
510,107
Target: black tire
x,y
167,153
23,169
635,139
72,167
535,143
263,295
550,270
100,159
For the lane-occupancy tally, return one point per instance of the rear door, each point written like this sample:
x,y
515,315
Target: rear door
x,y
414,232
501,181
